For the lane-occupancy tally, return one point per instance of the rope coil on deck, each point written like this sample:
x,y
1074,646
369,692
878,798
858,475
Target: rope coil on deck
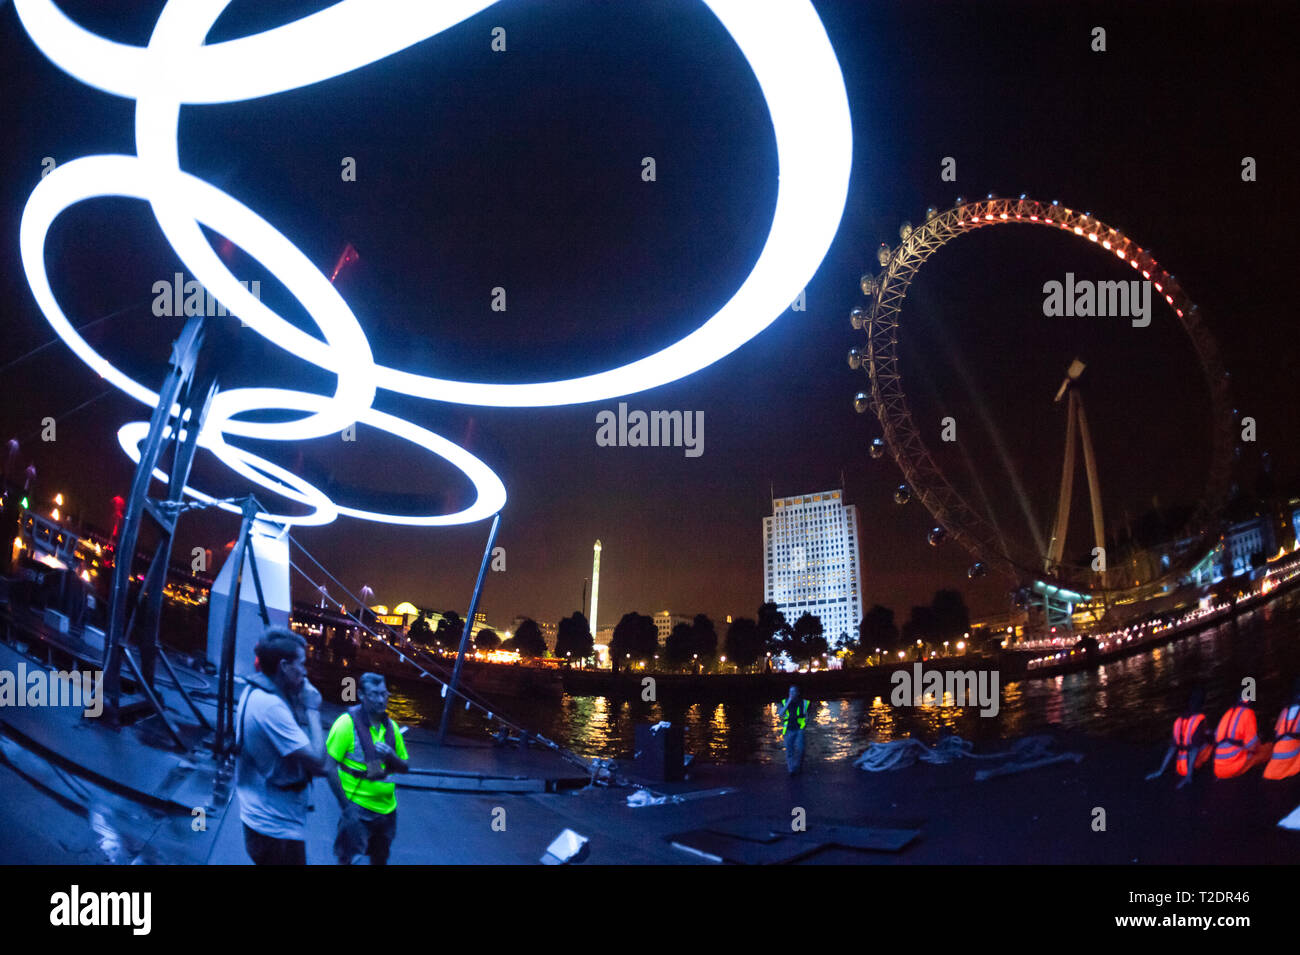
x,y
901,753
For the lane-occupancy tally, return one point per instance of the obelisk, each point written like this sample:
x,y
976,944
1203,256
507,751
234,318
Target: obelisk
x,y
595,588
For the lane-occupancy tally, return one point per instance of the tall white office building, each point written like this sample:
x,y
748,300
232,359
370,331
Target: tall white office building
x,y
811,561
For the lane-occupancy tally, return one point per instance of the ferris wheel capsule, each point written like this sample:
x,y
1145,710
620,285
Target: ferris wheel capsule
x,y
905,230
861,402
902,494
976,569
936,536
877,448
855,358
857,317
868,284
930,213
882,254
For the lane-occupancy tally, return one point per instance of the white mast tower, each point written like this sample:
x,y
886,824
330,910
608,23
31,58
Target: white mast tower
x,y
595,587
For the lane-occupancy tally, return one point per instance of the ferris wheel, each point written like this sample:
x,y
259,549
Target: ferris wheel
x,y
954,517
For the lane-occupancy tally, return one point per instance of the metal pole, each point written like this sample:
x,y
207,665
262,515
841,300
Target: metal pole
x,y
1056,551
469,625
180,371
225,734
1094,484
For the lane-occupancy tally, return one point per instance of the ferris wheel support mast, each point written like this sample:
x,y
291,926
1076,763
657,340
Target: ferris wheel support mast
x,y
1075,419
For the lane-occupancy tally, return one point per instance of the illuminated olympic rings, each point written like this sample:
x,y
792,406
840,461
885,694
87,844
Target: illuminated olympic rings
x,y
783,41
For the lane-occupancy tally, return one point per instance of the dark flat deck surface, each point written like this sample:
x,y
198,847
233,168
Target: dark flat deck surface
x,y
481,757
1043,816
113,755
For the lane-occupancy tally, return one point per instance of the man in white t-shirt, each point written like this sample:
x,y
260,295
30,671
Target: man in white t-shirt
x,y
281,747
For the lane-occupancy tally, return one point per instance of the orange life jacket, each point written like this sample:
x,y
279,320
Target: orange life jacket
x,y
1286,745
1236,740
1185,729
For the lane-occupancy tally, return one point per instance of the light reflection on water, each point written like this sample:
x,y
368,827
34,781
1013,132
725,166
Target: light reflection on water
x,y
1136,698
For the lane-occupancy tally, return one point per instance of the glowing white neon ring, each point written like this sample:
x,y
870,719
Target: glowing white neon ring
x,y
346,351
490,492
78,180
784,43
251,466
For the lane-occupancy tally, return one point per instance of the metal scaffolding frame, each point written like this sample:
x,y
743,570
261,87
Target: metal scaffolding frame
x,y
174,427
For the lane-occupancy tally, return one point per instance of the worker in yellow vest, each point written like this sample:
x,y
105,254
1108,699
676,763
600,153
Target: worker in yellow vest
x,y
1285,760
793,715
365,748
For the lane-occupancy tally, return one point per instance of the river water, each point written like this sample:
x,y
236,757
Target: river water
x,y
1135,699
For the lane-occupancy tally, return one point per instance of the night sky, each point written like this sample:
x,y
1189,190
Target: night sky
x,y
522,169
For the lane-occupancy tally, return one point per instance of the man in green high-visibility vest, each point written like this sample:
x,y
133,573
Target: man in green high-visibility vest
x,y
364,748
794,718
